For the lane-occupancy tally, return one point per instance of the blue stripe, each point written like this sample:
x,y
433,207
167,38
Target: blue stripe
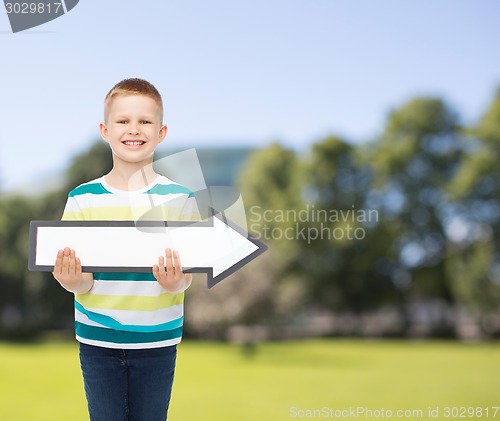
x,y
93,188
124,276
169,189
114,324
120,337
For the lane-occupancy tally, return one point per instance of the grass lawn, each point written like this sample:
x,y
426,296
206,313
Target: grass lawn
x,y
282,381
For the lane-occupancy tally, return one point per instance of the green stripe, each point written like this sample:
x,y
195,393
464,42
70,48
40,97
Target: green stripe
x,y
169,189
94,188
120,337
124,276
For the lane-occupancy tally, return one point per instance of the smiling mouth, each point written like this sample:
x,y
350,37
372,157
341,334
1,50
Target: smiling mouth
x,y
133,142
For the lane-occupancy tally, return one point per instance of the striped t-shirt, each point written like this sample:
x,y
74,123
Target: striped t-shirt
x,y
129,309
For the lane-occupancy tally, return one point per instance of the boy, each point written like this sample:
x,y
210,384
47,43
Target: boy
x,y
128,324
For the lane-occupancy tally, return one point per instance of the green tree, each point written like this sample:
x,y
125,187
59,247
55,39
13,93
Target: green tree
x,y
339,264
30,301
474,253
90,164
16,292
413,162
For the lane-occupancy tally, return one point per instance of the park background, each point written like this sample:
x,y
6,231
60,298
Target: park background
x,y
308,109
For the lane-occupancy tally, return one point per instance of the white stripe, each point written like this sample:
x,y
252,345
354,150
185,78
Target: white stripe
x,y
135,317
71,205
82,318
135,288
147,345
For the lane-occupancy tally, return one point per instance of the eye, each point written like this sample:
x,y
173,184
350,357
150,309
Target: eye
x,y
145,122
122,121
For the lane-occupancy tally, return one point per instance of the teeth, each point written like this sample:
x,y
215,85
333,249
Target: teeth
x,y
133,143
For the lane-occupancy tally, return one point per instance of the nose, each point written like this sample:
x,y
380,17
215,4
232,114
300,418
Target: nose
x,y
133,130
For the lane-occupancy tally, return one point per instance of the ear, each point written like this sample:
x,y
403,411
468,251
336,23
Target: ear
x,y
163,133
104,131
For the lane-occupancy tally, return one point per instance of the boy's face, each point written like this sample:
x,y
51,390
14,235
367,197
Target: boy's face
x,y
133,129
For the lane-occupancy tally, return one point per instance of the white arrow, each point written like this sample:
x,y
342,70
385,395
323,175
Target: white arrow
x,y
216,247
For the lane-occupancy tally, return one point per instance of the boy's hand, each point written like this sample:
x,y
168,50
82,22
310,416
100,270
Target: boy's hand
x,y
68,272
168,273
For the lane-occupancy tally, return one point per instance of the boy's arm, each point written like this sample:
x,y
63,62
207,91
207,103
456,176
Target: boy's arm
x,y
68,272
168,273
68,268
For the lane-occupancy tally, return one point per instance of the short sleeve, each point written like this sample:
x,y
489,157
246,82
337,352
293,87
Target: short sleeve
x,y
72,210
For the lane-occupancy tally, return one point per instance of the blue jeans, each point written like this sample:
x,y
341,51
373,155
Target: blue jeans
x,y
127,384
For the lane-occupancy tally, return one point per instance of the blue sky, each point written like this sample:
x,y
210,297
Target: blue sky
x,y
239,72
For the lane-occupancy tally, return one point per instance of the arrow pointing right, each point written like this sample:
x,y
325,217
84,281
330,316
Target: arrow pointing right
x,y
225,248
217,247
